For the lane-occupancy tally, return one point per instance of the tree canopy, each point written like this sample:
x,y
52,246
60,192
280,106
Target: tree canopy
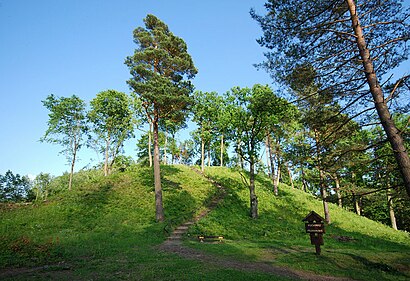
x,y
111,121
351,46
67,126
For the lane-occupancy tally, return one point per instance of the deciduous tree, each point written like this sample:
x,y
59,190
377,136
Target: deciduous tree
x,y
251,111
14,188
67,126
111,121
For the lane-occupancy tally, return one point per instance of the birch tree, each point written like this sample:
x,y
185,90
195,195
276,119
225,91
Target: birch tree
x,y
67,126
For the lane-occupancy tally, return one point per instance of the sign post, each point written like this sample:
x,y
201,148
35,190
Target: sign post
x,y
314,225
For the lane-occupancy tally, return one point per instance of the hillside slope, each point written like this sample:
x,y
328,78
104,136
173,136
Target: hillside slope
x,y
355,246
105,230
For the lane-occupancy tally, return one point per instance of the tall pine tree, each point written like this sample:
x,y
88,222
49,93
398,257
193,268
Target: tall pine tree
x,y
352,46
160,68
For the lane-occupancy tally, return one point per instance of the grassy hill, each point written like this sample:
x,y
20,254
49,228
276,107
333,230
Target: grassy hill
x,y
105,230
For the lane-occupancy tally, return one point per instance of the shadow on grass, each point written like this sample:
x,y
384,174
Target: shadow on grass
x,y
280,226
145,177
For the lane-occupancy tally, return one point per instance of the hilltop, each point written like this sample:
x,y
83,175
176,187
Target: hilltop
x,y
105,230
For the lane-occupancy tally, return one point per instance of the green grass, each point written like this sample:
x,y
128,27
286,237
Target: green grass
x,y
105,229
278,235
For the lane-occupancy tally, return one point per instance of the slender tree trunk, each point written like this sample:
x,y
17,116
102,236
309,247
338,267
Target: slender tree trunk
x,y
149,144
356,204
222,150
159,210
323,192
339,195
278,172
271,160
107,145
253,197
37,193
202,155
276,181
393,134
209,155
70,180
391,210
267,155
239,155
322,184
303,180
290,176
165,147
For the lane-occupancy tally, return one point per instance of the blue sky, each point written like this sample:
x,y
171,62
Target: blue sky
x,y
79,46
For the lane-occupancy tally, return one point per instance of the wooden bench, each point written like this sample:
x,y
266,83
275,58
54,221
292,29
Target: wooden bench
x,y
203,238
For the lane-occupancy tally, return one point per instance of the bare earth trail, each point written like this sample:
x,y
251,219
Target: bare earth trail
x,y
174,245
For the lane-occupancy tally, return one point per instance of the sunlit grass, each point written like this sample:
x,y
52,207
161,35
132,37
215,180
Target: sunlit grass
x,y
105,229
374,251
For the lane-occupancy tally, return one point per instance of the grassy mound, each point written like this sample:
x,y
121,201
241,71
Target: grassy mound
x,y
105,229
355,247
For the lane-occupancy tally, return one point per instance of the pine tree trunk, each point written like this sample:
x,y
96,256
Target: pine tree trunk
x,y
159,210
391,210
323,193
253,197
149,144
393,134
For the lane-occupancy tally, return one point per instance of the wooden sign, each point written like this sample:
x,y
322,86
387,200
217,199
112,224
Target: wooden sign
x,y
316,228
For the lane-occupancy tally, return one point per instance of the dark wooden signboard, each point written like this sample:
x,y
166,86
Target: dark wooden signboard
x,y
316,228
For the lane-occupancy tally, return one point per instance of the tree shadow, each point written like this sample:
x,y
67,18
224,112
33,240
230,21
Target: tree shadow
x,y
145,177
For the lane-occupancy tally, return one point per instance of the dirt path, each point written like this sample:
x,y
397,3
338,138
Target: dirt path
x,y
174,245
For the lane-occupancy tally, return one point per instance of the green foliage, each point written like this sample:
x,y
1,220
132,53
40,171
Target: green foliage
x,y
14,188
187,151
142,147
158,68
67,126
67,123
41,186
323,39
250,110
344,51
112,123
